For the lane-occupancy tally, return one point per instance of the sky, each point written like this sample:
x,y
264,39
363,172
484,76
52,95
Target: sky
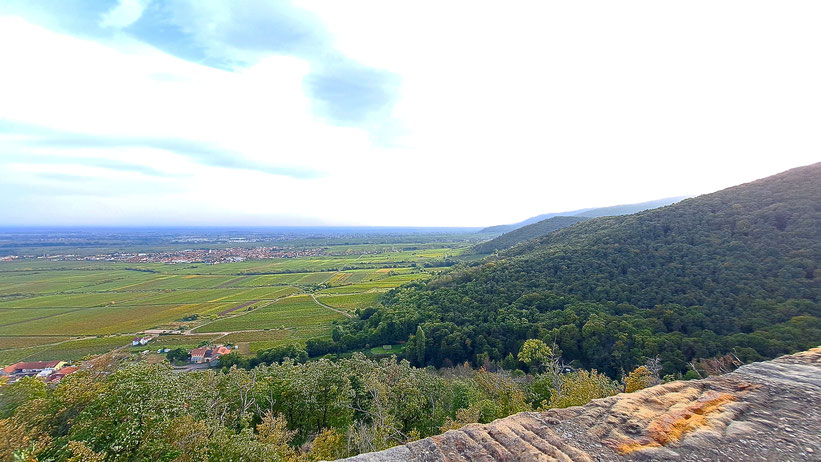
x,y
383,113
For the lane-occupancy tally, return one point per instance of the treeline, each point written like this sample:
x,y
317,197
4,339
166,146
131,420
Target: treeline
x,y
317,410
734,270
609,337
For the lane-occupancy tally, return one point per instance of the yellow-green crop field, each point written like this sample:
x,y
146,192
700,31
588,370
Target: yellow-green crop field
x,y
72,309
296,311
350,302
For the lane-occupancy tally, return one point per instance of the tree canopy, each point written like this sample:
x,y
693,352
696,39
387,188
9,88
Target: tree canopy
x,y
737,270
534,353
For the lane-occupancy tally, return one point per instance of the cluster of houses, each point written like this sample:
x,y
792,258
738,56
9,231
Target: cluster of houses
x,y
207,354
54,371
48,371
136,341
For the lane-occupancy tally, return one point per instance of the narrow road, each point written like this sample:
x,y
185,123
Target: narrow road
x,y
331,308
218,334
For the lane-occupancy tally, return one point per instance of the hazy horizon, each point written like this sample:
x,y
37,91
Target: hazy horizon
x,y
308,226
309,113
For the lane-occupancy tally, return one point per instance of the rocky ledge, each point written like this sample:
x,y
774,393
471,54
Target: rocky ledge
x,y
763,411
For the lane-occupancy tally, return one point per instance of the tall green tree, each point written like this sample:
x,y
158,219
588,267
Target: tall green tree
x,y
509,363
535,353
420,345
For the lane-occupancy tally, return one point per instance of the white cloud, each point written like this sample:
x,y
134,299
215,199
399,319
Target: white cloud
x,y
259,112
507,112
126,12
545,106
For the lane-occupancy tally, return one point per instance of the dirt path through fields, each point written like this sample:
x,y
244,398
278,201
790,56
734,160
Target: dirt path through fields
x,y
345,313
229,310
191,330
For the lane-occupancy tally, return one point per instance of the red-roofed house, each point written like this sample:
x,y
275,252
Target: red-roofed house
x,y
198,354
59,375
222,350
207,354
33,367
8,370
141,340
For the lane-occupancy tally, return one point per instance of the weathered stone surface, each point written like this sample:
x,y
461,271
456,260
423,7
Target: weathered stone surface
x,y
763,411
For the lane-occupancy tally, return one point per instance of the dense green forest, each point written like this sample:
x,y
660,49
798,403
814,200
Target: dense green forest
x,y
736,270
121,410
526,233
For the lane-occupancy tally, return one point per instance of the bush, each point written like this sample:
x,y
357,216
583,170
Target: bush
x,y
578,388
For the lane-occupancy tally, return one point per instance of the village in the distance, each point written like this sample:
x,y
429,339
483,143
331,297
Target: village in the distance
x,y
210,256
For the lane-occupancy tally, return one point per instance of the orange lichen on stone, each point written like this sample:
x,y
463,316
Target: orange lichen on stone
x,y
670,427
630,445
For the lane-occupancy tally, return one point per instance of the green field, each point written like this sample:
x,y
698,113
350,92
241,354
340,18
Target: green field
x,y
67,350
380,350
10,343
261,340
378,285
71,309
351,302
296,311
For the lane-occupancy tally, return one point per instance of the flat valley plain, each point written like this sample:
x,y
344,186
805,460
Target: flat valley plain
x,y
70,310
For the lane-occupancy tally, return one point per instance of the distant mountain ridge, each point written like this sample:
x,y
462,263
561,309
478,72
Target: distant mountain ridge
x,y
623,209
527,233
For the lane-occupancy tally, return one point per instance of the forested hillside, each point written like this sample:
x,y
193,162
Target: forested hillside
x,y
736,270
527,233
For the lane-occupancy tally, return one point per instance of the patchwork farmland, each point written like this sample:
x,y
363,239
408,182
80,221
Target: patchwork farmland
x,y
72,309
